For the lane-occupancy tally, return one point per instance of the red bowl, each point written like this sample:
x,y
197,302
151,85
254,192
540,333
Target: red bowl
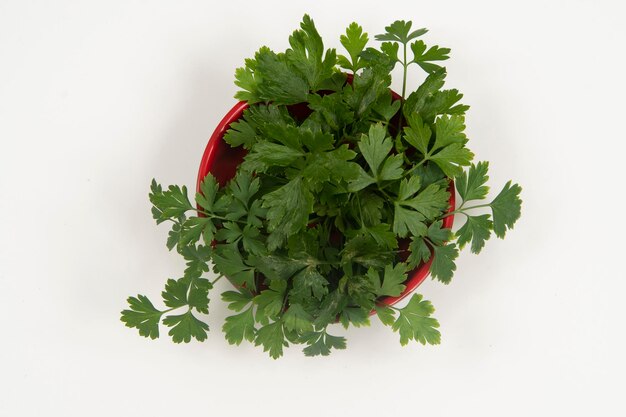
x,y
222,160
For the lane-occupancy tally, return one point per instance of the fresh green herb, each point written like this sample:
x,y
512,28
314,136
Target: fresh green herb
x,y
328,213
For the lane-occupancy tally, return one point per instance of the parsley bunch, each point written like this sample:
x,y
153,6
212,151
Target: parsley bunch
x,y
330,210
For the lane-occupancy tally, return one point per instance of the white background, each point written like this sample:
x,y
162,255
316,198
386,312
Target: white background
x,y
96,98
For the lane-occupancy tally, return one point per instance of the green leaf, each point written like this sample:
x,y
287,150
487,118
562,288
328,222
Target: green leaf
x,y
272,338
244,186
265,154
246,79
400,31
405,221
386,315
507,208
185,326
229,262
208,190
175,294
375,146
277,267
191,291
306,54
417,101
239,327
237,300
443,102
471,185
142,316
170,204
366,89
330,167
364,249
297,319
392,282
392,168
386,107
424,58
417,133
333,109
414,322
437,234
270,302
230,232
443,266
288,211
196,227
449,130
310,282
320,343
173,236
452,158
357,316
241,133
383,235
279,84
477,229
198,297
430,202
391,50
362,180
381,62
420,252
354,41
409,187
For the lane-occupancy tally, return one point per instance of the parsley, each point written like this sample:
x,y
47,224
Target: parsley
x,y
328,214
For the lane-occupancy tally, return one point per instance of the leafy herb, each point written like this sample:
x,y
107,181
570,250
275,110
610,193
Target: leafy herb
x,y
329,213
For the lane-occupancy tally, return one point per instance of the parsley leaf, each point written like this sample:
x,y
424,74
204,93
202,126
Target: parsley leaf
x,y
354,41
169,204
375,147
280,84
477,229
288,211
272,338
320,343
414,322
400,31
424,58
428,203
142,316
229,262
185,326
306,54
298,319
237,300
239,327
506,209
471,184
443,266
392,282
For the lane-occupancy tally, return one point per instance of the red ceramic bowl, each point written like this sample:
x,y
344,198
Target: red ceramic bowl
x,y
222,160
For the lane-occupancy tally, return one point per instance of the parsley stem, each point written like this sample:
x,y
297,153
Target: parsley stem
x,y
410,171
380,188
213,216
404,70
405,65
461,210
